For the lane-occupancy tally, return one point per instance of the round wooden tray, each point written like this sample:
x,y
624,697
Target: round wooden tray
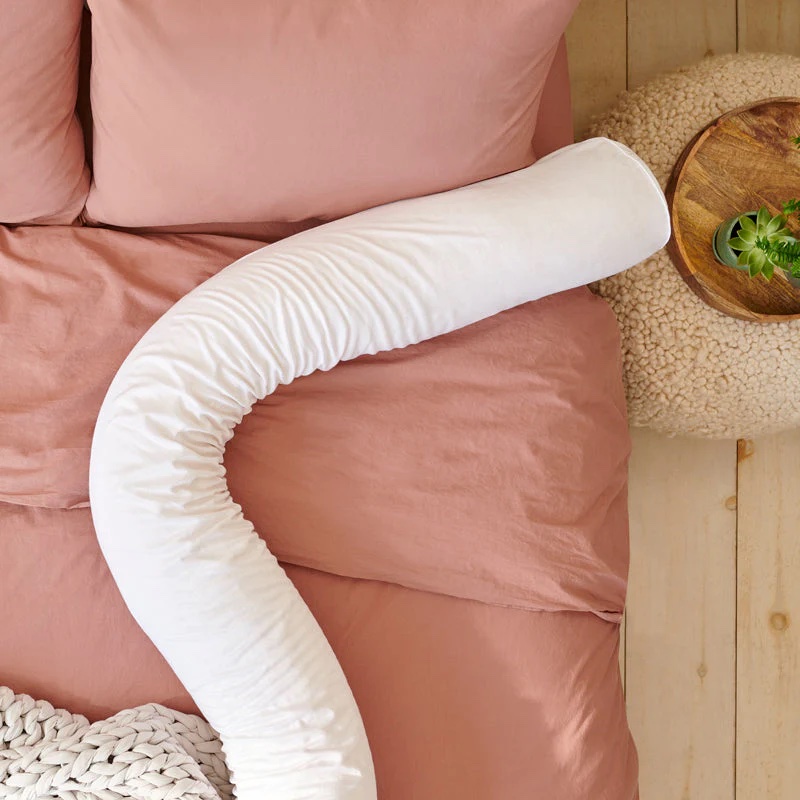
x,y
743,160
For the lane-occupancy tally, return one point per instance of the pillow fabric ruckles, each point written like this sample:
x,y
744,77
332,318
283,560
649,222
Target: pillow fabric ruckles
x,y
303,109
43,174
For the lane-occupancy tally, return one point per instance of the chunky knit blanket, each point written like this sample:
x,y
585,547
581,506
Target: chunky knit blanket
x,y
148,753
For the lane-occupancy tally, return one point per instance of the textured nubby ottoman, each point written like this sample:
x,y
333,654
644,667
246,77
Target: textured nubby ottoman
x,y
688,368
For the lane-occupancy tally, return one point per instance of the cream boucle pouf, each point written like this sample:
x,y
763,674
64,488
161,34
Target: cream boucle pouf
x,y
688,368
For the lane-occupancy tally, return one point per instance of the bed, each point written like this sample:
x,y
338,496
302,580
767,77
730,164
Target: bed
x,y
452,513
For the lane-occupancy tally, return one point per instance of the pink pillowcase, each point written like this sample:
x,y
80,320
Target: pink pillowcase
x,y
512,430
492,461
285,111
43,175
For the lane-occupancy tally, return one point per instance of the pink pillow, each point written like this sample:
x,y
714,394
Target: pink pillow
x,y
512,429
43,175
492,460
285,111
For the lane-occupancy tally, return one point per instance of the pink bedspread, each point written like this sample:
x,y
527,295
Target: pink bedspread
x,y
454,515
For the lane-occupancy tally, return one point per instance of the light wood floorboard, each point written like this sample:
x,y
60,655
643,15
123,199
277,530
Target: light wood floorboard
x,y
681,621
768,681
768,607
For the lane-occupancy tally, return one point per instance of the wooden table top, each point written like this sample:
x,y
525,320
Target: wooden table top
x,y
741,161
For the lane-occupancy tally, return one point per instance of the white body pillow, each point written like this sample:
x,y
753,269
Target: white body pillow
x,y
192,570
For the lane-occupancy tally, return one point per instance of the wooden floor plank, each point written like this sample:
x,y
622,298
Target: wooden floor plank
x,y
768,641
666,34
597,72
681,616
769,26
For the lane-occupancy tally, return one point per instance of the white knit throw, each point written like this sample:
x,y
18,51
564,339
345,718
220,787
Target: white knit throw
x,y
148,753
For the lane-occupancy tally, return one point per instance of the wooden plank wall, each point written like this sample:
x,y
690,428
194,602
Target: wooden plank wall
x,y
663,34
598,74
769,26
711,651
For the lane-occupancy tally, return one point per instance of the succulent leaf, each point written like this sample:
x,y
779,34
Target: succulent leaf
x,y
755,262
738,244
776,224
747,223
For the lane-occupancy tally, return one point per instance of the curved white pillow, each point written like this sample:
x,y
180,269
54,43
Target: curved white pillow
x,y
192,570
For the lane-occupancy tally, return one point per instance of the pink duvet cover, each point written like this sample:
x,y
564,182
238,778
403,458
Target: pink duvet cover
x,y
454,515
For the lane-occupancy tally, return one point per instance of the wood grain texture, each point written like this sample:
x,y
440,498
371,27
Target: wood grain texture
x,y
769,26
768,641
598,73
743,160
681,616
665,34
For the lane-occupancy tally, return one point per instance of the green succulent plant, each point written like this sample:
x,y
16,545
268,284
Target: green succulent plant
x,y
761,241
